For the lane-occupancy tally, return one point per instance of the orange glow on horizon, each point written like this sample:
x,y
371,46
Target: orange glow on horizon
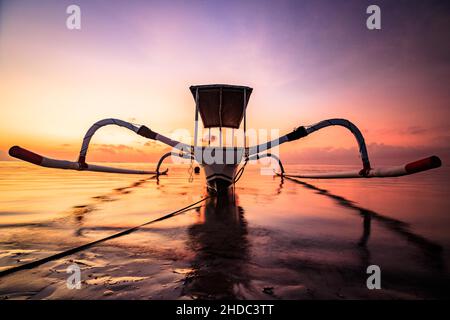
x,y
55,83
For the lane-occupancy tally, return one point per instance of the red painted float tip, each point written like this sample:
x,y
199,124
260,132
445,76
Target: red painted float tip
x,y
423,164
23,154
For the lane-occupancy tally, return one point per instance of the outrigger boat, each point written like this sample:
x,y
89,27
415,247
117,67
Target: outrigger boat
x,y
224,106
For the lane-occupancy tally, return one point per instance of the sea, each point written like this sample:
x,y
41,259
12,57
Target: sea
x,y
269,238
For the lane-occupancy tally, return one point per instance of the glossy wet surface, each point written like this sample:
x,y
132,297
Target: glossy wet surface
x,y
278,239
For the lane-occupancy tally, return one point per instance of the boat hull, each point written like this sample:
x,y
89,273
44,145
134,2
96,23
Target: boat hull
x,y
218,185
219,177
220,165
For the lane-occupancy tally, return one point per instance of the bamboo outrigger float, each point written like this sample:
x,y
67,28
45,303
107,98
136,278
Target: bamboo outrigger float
x,y
224,106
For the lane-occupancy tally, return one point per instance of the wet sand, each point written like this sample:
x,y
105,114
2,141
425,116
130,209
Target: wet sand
x,y
278,239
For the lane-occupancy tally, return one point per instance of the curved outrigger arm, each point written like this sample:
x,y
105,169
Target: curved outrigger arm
x,y
81,164
172,154
366,172
356,133
140,130
268,155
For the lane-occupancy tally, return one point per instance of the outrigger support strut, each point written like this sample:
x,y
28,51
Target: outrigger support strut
x,y
354,130
174,154
81,164
366,172
302,132
268,155
90,133
140,130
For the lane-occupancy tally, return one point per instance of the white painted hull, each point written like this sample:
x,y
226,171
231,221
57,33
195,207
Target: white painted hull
x,y
220,165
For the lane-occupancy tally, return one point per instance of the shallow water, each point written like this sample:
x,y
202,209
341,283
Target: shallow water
x,y
279,239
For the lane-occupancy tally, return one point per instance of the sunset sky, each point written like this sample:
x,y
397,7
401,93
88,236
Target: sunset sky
x,y
306,60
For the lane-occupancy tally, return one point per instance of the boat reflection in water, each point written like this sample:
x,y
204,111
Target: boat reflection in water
x,y
222,250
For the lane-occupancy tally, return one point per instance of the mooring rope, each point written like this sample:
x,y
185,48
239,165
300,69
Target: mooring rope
x,y
71,251
240,172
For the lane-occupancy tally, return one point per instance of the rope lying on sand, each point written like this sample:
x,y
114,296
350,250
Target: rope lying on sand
x,y
68,252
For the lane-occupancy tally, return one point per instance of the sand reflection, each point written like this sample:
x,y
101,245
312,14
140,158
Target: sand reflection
x,y
222,251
